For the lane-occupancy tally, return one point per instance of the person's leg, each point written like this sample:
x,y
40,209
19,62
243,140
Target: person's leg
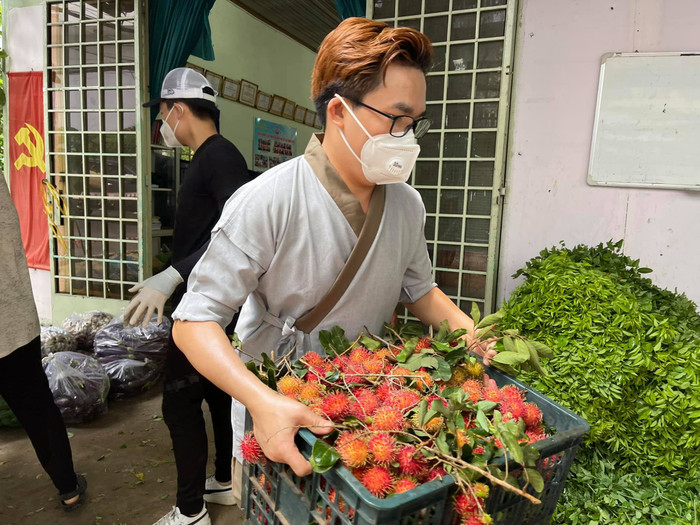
x,y
24,386
182,411
220,408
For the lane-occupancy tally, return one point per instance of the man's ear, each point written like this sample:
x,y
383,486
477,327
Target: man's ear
x,y
335,113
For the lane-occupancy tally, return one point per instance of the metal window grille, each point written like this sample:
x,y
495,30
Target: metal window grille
x,y
459,172
93,126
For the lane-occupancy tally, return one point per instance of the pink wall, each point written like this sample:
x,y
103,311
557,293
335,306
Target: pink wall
x,y
557,65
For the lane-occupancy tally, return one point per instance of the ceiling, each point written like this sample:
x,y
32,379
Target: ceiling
x,y
306,21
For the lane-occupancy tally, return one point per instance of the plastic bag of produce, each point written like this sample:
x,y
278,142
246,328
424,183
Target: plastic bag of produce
x,y
7,416
84,326
133,342
129,377
79,386
55,339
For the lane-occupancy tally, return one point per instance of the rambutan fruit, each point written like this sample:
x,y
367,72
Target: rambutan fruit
x,y
404,484
250,449
514,407
536,434
384,390
396,374
313,359
289,385
360,355
532,415
411,462
395,349
436,473
422,344
373,366
309,392
511,393
387,418
340,363
461,438
478,450
459,376
383,448
473,389
335,406
378,481
365,405
465,504
353,450
383,353
475,369
434,425
481,490
492,395
403,399
424,381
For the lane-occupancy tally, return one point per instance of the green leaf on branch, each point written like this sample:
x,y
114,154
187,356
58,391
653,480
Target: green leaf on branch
x,y
443,332
542,349
460,332
441,442
443,371
483,420
333,342
509,358
521,348
323,456
486,406
491,319
535,479
407,351
476,313
509,344
369,343
512,446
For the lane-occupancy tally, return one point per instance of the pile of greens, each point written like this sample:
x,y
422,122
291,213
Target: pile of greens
x,y
626,357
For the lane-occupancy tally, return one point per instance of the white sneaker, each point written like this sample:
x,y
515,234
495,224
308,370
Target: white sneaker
x,y
175,517
215,492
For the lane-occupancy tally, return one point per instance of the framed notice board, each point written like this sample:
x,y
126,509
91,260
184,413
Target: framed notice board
x,y
647,121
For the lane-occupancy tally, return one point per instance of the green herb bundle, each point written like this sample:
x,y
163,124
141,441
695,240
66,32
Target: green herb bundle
x,y
626,358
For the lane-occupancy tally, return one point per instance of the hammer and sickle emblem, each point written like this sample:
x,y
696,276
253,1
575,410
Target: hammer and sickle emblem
x,y
35,148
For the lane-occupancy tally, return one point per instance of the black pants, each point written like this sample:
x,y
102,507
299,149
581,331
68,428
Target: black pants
x,y
183,392
24,386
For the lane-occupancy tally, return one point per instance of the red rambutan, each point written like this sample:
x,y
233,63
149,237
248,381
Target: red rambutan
x,y
353,450
404,484
360,355
250,449
400,371
383,448
473,389
313,359
387,418
403,399
365,405
335,406
309,392
374,366
465,504
378,481
511,392
411,462
422,344
436,473
289,385
532,415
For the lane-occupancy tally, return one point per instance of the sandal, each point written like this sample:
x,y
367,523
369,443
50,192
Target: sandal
x,y
79,491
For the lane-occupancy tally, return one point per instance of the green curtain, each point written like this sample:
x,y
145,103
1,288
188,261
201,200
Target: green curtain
x,y
349,8
177,29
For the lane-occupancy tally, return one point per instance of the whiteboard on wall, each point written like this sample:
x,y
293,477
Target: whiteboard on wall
x,y
647,121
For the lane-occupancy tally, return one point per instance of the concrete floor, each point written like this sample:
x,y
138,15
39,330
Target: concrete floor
x,y
127,459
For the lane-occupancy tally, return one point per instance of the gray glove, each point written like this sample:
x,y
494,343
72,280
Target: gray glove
x,y
153,292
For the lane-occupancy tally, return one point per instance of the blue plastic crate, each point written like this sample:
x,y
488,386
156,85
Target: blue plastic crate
x,y
286,499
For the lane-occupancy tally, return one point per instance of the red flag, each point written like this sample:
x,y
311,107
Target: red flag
x,y
27,163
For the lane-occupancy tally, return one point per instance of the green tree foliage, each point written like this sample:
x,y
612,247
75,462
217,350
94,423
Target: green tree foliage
x,y
627,359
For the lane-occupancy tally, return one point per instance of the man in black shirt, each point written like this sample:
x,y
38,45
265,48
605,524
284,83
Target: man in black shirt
x,y
217,170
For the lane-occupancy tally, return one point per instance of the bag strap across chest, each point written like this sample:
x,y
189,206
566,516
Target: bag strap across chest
x,y
368,233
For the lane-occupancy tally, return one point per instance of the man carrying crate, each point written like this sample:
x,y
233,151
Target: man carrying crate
x,y
333,237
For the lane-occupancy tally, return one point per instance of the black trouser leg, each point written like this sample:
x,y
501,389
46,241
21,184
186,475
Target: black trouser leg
x,y
220,408
183,394
24,386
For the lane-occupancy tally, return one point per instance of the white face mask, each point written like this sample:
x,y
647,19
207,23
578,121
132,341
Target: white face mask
x,y
168,133
385,159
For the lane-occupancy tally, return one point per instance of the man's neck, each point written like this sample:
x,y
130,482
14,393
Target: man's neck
x,y
339,159
201,131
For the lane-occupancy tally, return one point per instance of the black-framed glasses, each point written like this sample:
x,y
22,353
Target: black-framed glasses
x,y
401,124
